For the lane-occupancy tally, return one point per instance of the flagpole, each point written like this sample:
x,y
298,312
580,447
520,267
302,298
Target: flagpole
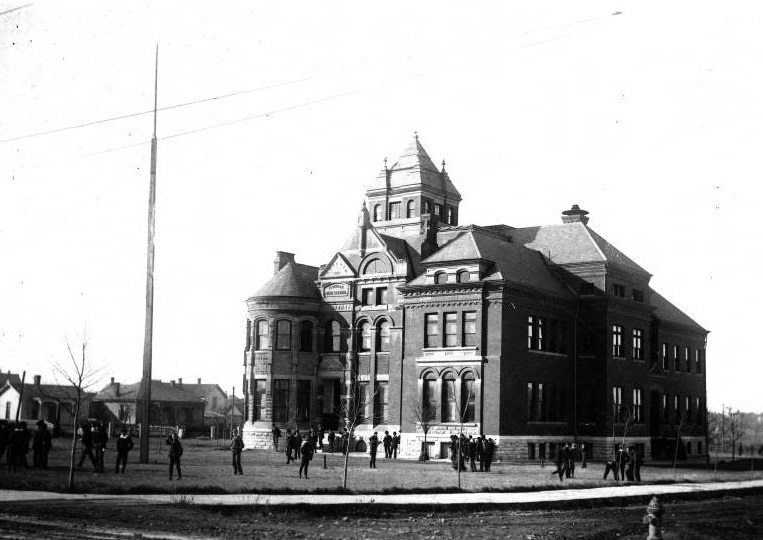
x,y
145,383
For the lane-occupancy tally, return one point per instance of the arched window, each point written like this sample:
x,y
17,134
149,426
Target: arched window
x,y
410,209
449,412
283,335
377,213
365,337
440,278
463,276
382,337
306,336
467,397
429,397
376,266
333,337
262,338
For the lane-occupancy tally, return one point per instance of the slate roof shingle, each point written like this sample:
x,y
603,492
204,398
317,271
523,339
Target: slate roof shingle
x,y
666,311
294,280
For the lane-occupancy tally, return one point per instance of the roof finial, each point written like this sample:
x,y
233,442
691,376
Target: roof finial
x,y
416,135
385,162
443,165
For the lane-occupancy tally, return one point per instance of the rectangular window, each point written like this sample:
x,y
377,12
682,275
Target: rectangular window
x,y
381,408
531,451
638,295
665,410
381,296
638,344
541,450
697,361
449,413
531,393
438,210
280,400
688,448
677,408
687,407
364,401
470,329
7,410
687,359
432,323
540,402
451,330
430,394
283,335
618,290
303,401
699,447
617,403
536,333
394,210
617,341
367,297
638,408
259,398
665,357
698,408
676,358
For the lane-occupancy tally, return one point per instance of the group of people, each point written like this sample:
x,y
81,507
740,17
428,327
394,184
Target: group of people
x,y
566,457
625,464
302,448
15,438
473,450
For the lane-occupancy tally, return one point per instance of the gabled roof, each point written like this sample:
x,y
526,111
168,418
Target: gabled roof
x,y
13,378
415,167
160,391
664,310
53,391
568,243
294,279
512,263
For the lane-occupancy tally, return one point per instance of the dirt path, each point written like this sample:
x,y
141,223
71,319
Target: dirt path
x,y
725,518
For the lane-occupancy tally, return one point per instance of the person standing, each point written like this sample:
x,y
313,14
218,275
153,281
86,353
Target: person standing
x,y
306,452
395,444
124,445
321,433
387,440
612,465
573,456
288,445
561,462
638,461
489,450
276,435
331,438
41,445
481,451
99,439
582,456
296,444
624,458
373,444
345,441
236,447
175,451
86,439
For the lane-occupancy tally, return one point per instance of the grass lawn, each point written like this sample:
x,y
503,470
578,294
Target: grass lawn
x,y
207,469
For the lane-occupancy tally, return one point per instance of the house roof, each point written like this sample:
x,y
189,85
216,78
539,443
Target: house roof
x,y
567,243
53,391
512,262
13,378
160,391
415,167
664,310
294,279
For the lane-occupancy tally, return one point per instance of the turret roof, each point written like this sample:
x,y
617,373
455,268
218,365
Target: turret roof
x,y
294,279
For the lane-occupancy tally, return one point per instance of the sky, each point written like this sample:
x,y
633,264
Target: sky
x,y
275,116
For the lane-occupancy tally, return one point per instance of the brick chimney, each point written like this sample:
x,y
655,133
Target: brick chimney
x,y
282,259
180,380
172,383
198,381
37,379
575,215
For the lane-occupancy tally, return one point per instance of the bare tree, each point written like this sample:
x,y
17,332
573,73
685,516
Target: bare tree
x,y
462,407
354,411
79,377
682,422
627,417
737,430
425,415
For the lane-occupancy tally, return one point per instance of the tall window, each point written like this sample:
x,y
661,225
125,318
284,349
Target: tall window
x,y
303,401
382,336
687,359
638,344
365,337
333,336
536,336
263,336
381,296
638,408
306,336
451,330
677,408
248,334
536,402
381,408
617,403
470,329
698,360
432,330
283,335
698,408
438,210
618,290
617,341
364,400
687,408
410,209
7,410
280,400
367,297
377,213
259,399
430,392
394,210
449,413
665,357
665,409
451,216
467,398
676,358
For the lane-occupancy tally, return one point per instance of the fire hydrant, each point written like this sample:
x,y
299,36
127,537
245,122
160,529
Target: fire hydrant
x,y
653,518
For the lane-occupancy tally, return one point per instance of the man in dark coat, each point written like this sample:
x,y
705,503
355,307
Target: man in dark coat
x,y
331,438
395,444
623,459
236,447
124,445
638,461
289,445
387,440
612,465
481,450
472,453
86,439
41,445
296,444
321,434
562,460
276,435
18,446
373,444
175,451
99,439
306,455
489,450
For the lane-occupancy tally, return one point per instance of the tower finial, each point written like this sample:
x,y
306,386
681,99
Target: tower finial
x,y
443,165
416,135
385,162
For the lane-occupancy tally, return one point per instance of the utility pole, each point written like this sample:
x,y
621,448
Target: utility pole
x,y
145,382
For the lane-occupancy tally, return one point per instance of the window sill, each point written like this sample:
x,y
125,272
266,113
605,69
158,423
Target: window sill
x,y
547,353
